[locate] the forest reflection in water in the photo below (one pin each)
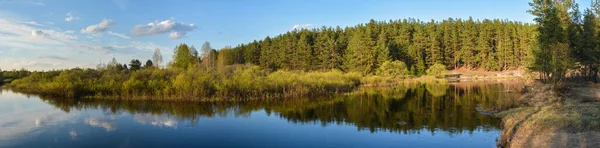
(406, 108)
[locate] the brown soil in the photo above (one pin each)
(547, 118)
(466, 74)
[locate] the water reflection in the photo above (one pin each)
(156, 120)
(101, 122)
(407, 109)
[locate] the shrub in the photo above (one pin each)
(394, 68)
(437, 70)
(192, 84)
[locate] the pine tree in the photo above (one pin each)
(359, 56)
(434, 53)
(382, 49)
(417, 49)
(552, 55)
(301, 57)
(468, 36)
(324, 47)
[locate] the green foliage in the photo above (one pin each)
(494, 45)
(360, 54)
(9, 76)
(192, 84)
(394, 68)
(183, 57)
(552, 57)
(437, 70)
(135, 64)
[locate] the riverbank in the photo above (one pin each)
(193, 84)
(239, 82)
(545, 118)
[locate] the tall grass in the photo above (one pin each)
(194, 84)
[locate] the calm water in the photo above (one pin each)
(416, 115)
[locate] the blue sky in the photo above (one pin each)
(56, 34)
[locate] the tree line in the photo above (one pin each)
(568, 42)
(492, 45)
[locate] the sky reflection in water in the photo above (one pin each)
(416, 115)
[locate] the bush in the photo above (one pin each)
(437, 70)
(192, 84)
(395, 68)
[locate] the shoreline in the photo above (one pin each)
(545, 118)
(335, 88)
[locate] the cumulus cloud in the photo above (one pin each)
(119, 35)
(70, 17)
(176, 29)
(19, 40)
(98, 28)
(37, 33)
(300, 26)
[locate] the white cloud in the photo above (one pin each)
(300, 26)
(98, 28)
(176, 29)
(119, 35)
(70, 17)
(150, 46)
(26, 46)
(37, 33)
(176, 35)
(102, 49)
(33, 23)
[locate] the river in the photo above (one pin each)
(408, 115)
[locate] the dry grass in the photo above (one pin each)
(569, 118)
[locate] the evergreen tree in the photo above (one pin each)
(135, 64)
(359, 56)
(469, 36)
(552, 55)
(149, 64)
(325, 50)
(381, 47)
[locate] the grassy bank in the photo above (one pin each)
(566, 118)
(193, 84)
